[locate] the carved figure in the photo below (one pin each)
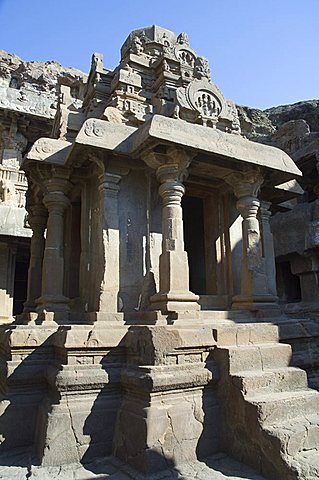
(7, 192)
(201, 69)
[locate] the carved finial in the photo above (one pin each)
(183, 39)
(201, 69)
(97, 61)
(137, 45)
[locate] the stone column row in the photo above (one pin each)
(257, 272)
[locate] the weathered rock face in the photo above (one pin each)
(32, 87)
(255, 124)
(307, 110)
(288, 127)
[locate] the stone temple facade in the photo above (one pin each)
(150, 335)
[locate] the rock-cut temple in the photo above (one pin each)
(151, 328)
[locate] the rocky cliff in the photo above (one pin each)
(289, 127)
(32, 87)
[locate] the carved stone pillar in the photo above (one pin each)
(268, 246)
(37, 219)
(110, 262)
(254, 292)
(174, 294)
(56, 201)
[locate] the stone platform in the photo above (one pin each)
(216, 467)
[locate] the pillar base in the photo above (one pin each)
(175, 302)
(53, 303)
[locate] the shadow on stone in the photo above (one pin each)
(26, 367)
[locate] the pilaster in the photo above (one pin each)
(106, 285)
(108, 194)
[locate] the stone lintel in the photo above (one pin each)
(160, 130)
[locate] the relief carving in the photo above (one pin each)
(203, 99)
(207, 104)
(43, 146)
(8, 194)
(93, 129)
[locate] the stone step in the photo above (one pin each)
(246, 334)
(279, 407)
(257, 357)
(216, 467)
(297, 435)
(276, 380)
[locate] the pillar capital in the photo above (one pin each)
(56, 202)
(248, 206)
(170, 165)
(265, 207)
(37, 218)
(264, 210)
(57, 184)
(109, 184)
(246, 183)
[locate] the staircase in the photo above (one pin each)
(270, 416)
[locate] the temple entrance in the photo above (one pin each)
(194, 239)
(207, 248)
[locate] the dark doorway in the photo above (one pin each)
(21, 277)
(193, 215)
(288, 284)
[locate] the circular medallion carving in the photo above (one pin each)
(207, 104)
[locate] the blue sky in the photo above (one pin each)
(261, 52)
